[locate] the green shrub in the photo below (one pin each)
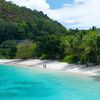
(2, 57)
(70, 59)
(84, 59)
(43, 56)
(26, 50)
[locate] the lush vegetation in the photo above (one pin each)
(31, 34)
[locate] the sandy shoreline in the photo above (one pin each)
(55, 65)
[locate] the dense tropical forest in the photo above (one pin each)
(28, 34)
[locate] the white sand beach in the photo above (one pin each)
(55, 65)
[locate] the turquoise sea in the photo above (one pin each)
(19, 83)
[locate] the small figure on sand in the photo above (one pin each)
(44, 66)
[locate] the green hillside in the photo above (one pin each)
(21, 23)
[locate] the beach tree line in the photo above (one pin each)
(81, 48)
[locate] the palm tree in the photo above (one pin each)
(90, 47)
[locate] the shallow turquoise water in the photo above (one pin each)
(17, 83)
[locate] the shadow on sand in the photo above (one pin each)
(96, 77)
(36, 64)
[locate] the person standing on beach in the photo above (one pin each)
(44, 66)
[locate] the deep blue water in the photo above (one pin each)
(18, 83)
